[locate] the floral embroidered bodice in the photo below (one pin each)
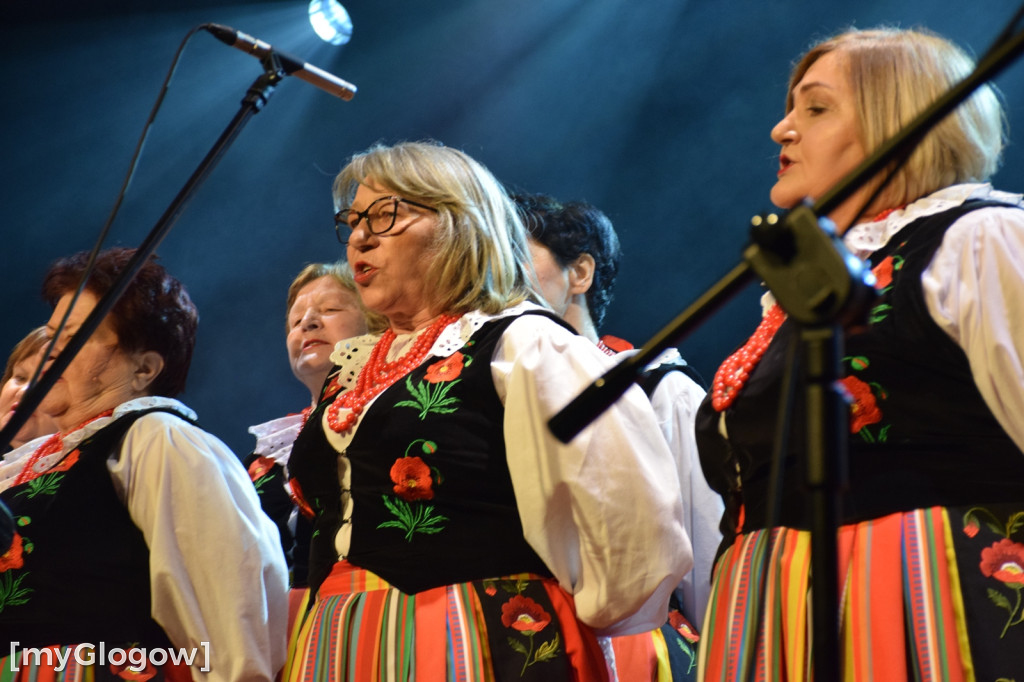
(57, 550)
(913, 401)
(429, 478)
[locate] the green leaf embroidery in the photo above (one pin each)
(517, 646)
(11, 591)
(430, 397)
(413, 519)
(547, 650)
(879, 313)
(1015, 522)
(46, 484)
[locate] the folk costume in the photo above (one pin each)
(454, 537)
(931, 546)
(138, 530)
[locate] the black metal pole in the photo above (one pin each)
(825, 477)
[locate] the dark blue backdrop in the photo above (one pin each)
(658, 111)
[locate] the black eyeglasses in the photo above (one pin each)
(380, 217)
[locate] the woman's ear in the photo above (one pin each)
(148, 365)
(581, 274)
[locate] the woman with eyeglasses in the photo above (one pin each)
(454, 537)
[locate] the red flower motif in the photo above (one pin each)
(864, 410)
(332, 388)
(299, 500)
(1004, 561)
(126, 671)
(883, 273)
(445, 370)
(412, 479)
(259, 467)
(971, 527)
(67, 462)
(524, 614)
(491, 590)
(12, 558)
(682, 626)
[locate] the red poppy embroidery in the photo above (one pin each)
(299, 500)
(682, 626)
(445, 370)
(1004, 561)
(13, 557)
(66, 463)
(411, 476)
(259, 467)
(864, 411)
(491, 589)
(128, 671)
(883, 273)
(524, 614)
(332, 388)
(971, 527)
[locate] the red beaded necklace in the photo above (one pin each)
(734, 372)
(51, 445)
(378, 374)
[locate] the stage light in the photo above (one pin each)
(330, 20)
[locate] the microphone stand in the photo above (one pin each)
(255, 99)
(823, 288)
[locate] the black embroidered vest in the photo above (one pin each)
(84, 573)
(921, 433)
(432, 495)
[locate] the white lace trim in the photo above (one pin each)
(863, 239)
(275, 438)
(351, 354)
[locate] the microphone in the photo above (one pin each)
(292, 66)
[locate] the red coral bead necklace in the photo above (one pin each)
(50, 446)
(378, 374)
(734, 372)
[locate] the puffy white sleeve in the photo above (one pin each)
(604, 511)
(675, 401)
(217, 573)
(974, 290)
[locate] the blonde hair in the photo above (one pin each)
(480, 247)
(342, 274)
(26, 348)
(896, 75)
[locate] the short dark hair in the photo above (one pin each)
(569, 230)
(155, 312)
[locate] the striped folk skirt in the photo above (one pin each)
(930, 595)
(522, 627)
